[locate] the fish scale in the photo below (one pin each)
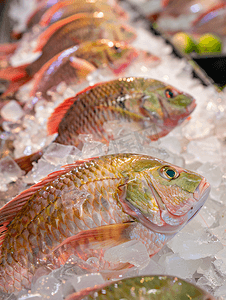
(26, 227)
(86, 28)
(37, 234)
(95, 107)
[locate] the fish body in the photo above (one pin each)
(104, 201)
(179, 7)
(75, 30)
(145, 288)
(101, 53)
(143, 103)
(64, 9)
(137, 103)
(65, 34)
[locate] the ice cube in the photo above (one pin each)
(221, 292)
(176, 266)
(193, 246)
(218, 193)
(171, 144)
(133, 252)
(212, 173)
(205, 150)
(12, 111)
(93, 149)
(48, 287)
(9, 171)
(87, 280)
(152, 268)
(58, 154)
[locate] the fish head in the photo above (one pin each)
(161, 196)
(119, 55)
(166, 106)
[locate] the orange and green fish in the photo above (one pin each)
(100, 53)
(64, 9)
(64, 34)
(95, 204)
(145, 288)
(140, 103)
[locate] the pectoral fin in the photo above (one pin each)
(102, 237)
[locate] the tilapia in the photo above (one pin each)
(64, 9)
(138, 103)
(102, 202)
(179, 7)
(145, 288)
(64, 34)
(101, 53)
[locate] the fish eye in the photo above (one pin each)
(117, 48)
(170, 93)
(169, 173)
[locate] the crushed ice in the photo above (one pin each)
(197, 253)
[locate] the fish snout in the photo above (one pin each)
(200, 194)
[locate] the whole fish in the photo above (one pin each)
(213, 20)
(43, 11)
(145, 288)
(64, 9)
(66, 67)
(102, 201)
(179, 15)
(64, 34)
(139, 103)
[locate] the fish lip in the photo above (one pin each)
(192, 106)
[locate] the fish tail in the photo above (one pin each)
(25, 162)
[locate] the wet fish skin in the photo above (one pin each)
(86, 27)
(146, 287)
(99, 196)
(142, 102)
(66, 8)
(101, 53)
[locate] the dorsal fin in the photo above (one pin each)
(47, 16)
(44, 37)
(58, 114)
(60, 111)
(11, 209)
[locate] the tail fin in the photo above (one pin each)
(25, 162)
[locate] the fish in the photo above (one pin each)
(179, 15)
(64, 34)
(64, 9)
(152, 287)
(139, 103)
(212, 20)
(178, 7)
(100, 53)
(99, 202)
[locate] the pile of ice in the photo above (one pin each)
(197, 253)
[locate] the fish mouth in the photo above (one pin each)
(201, 194)
(192, 106)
